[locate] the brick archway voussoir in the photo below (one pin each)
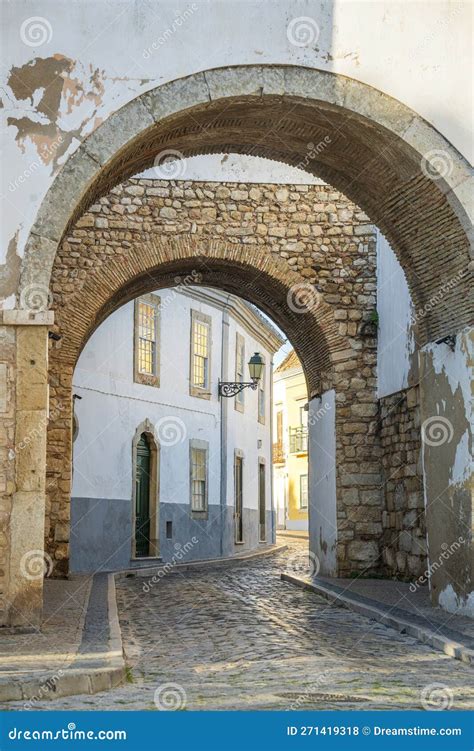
(251, 272)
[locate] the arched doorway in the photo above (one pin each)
(376, 150)
(142, 497)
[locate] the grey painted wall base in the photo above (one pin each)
(101, 534)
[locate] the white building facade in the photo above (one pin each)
(162, 464)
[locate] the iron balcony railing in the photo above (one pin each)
(299, 440)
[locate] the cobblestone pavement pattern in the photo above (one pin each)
(239, 638)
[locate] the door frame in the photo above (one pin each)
(154, 490)
(262, 463)
(238, 454)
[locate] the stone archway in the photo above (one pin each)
(413, 184)
(397, 167)
(158, 263)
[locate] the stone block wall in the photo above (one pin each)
(7, 454)
(404, 547)
(318, 234)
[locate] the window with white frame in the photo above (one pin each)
(199, 476)
(200, 354)
(146, 340)
(239, 369)
(303, 492)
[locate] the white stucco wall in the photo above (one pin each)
(322, 481)
(113, 406)
(396, 340)
(244, 431)
(417, 52)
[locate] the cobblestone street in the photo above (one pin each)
(239, 638)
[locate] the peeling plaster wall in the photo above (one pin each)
(446, 413)
(63, 77)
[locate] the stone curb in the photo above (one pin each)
(193, 565)
(84, 675)
(375, 611)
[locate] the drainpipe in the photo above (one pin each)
(224, 406)
(272, 499)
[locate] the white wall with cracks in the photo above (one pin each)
(67, 67)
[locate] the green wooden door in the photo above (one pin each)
(142, 496)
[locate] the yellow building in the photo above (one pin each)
(290, 445)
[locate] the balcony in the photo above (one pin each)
(299, 440)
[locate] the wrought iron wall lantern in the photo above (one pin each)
(232, 388)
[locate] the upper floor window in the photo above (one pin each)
(199, 476)
(303, 491)
(240, 369)
(146, 344)
(200, 354)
